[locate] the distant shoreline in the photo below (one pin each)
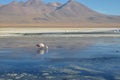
(52, 30)
(60, 32)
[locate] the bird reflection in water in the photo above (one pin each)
(42, 51)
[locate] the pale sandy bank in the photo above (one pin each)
(20, 31)
(50, 30)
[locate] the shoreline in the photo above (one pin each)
(59, 32)
(80, 35)
(51, 30)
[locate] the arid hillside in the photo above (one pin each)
(36, 13)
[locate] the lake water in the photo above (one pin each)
(100, 60)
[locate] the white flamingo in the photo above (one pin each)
(42, 46)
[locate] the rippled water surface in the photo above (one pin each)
(100, 60)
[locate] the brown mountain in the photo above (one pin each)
(0, 5)
(71, 13)
(54, 5)
(35, 7)
(77, 12)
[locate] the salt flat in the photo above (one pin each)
(21, 31)
(46, 30)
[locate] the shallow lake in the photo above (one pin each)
(99, 60)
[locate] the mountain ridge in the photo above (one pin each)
(38, 12)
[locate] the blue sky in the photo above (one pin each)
(104, 6)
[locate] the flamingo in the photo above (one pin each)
(42, 46)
